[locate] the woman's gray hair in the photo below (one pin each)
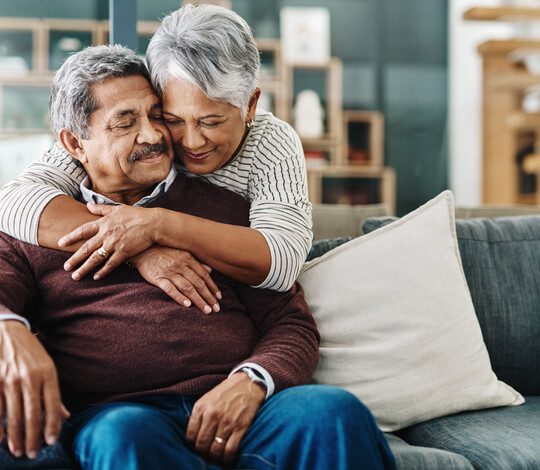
(71, 100)
(211, 47)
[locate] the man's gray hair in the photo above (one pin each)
(71, 100)
(211, 47)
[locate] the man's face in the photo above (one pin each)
(129, 147)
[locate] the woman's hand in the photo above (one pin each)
(122, 232)
(180, 276)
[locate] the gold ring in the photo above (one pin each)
(103, 253)
(219, 440)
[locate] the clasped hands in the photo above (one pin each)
(127, 233)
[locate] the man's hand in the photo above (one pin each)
(123, 232)
(180, 276)
(28, 388)
(225, 412)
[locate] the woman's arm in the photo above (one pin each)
(280, 208)
(29, 202)
(239, 252)
(53, 223)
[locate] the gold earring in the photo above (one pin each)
(249, 124)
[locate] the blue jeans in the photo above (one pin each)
(308, 427)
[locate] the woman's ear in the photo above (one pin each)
(72, 143)
(252, 105)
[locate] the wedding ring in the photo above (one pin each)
(103, 253)
(219, 440)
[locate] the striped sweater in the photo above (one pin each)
(269, 172)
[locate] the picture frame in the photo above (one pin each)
(305, 35)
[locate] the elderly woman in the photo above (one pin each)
(204, 64)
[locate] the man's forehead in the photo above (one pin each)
(124, 94)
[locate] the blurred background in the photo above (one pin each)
(395, 100)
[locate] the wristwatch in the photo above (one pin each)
(254, 376)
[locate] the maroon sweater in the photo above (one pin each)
(122, 337)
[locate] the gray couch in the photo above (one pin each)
(501, 260)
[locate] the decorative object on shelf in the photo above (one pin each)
(316, 159)
(308, 115)
(305, 35)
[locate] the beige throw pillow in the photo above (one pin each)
(397, 323)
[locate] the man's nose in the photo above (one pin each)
(192, 139)
(149, 133)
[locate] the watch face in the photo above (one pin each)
(253, 376)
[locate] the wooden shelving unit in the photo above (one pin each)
(332, 139)
(275, 82)
(40, 73)
(374, 182)
(507, 128)
(333, 177)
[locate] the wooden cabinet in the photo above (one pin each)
(507, 128)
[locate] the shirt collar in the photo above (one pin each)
(90, 196)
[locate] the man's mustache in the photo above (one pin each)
(161, 147)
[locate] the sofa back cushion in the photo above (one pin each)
(339, 220)
(501, 260)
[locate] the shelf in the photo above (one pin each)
(502, 14)
(363, 133)
(508, 46)
(323, 143)
(512, 81)
(352, 185)
(522, 121)
(333, 138)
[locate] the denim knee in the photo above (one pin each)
(113, 431)
(328, 402)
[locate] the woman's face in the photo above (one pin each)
(206, 134)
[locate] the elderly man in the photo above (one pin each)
(151, 383)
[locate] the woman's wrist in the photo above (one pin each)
(166, 227)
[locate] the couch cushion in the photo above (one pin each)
(489, 439)
(394, 311)
(501, 260)
(410, 457)
(338, 220)
(320, 247)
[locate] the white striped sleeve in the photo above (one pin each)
(280, 208)
(23, 199)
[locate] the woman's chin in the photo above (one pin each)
(200, 167)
